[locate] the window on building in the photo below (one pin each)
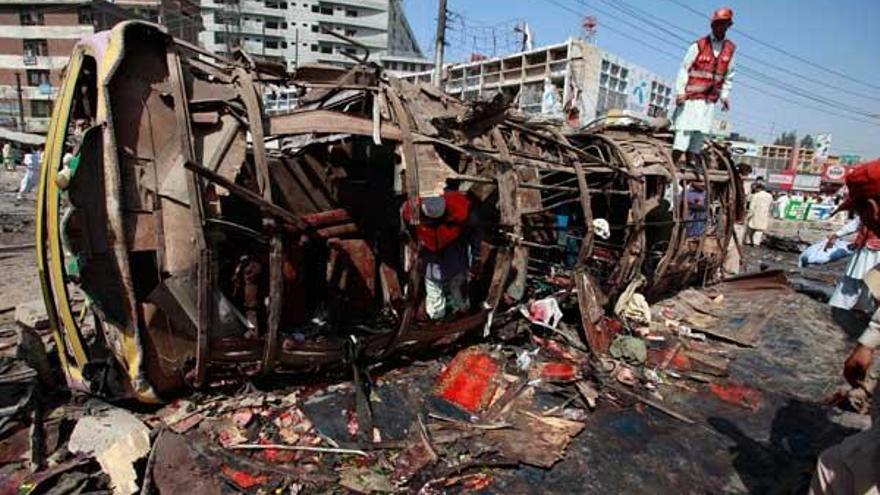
(351, 32)
(315, 28)
(315, 9)
(314, 48)
(326, 49)
(35, 48)
(84, 15)
(37, 77)
(351, 13)
(275, 4)
(226, 18)
(41, 109)
(327, 10)
(31, 17)
(272, 44)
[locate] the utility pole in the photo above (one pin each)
(20, 102)
(296, 48)
(441, 41)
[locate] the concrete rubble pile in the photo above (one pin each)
(217, 246)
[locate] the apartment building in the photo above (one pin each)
(36, 39)
(584, 78)
(294, 32)
(182, 18)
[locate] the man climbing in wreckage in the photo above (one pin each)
(853, 466)
(449, 236)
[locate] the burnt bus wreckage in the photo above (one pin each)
(188, 236)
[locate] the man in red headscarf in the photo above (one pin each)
(705, 77)
(853, 466)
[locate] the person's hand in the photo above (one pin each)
(679, 100)
(830, 242)
(725, 104)
(855, 368)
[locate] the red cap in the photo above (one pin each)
(723, 14)
(862, 182)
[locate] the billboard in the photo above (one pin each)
(781, 180)
(742, 148)
(850, 159)
(834, 172)
(823, 147)
(807, 182)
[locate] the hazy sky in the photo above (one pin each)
(772, 92)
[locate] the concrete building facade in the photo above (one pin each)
(588, 82)
(293, 31)
(36, 39)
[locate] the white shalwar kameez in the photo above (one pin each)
(851, 292)
(692, 120)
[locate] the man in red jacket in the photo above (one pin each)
(449, 240)
(705, 77)
(853, 466)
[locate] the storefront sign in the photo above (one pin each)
(781, 181)
(834, 173)
(741, 148)
(807, 182)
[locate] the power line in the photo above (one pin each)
(782, 50)
(747, 73)
(621, 5)
(672, 56)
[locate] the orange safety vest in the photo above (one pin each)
(706, 75)
(436, 236)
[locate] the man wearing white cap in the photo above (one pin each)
(450, 240)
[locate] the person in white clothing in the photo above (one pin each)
(758, 219)
(31, 172)
(705, 77)
(851, 293)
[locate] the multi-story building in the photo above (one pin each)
(295, 32)
(36, 39)
(584, 78)
(774, 158)
(181, 18)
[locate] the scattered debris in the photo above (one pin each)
(32, 314)
(116, 439)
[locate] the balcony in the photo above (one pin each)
(29, 59)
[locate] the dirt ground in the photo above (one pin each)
(18, 269)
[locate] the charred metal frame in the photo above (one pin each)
(191, 162)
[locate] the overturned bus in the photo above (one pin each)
(188, 236)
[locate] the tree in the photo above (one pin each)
(786, 139)
(808, 142)
(735, 136)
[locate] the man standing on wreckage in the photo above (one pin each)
(705, 77)
(853, 466)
